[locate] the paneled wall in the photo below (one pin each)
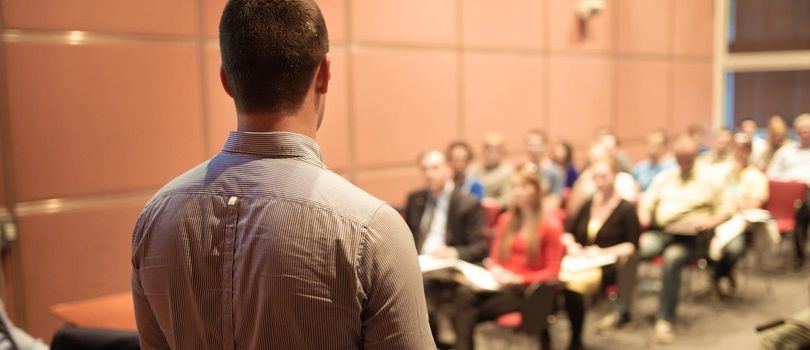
(103, 102)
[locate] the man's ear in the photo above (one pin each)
(224, 79)
(323, 75)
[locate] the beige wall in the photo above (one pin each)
(94, 124)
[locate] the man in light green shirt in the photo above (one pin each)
(681, 205)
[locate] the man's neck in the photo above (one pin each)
(298, 123)
(437, 193)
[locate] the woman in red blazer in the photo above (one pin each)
(526, 250)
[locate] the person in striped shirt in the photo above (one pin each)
(262, 246)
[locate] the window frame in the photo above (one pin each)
(726, 63)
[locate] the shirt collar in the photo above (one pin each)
(276, 144)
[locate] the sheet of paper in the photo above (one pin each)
(584, 262)
(429, 264)
(479, 277)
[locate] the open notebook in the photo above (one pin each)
(481, 279)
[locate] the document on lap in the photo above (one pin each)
(430, 264)
(478, 277)
(475, 276)
(575, 263)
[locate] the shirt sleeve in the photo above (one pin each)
(472, 226)
(649, 197)
(395, 312)
(552, 252)
(759, 187)
(632, 227)
(775, 168)
(150, 334)
(556, 181)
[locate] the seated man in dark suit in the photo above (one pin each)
(446, 222)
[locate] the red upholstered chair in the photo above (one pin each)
(537, 312)
(491, 214)
(510, 320)
(785, 197)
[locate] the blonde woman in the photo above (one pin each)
(526, 251)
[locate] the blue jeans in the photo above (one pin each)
(732, 252)
(676, 251)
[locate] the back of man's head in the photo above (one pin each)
(270, 52)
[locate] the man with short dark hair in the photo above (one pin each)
(460, 155)
(493, 172)
(262, 247)
(658, 159)
(551, 175)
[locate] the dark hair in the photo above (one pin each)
(568, 152)
(460, 144)
(527, 172)
(270, 51)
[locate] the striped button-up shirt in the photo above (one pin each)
(262, 247)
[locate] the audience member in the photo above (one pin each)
(460, 155)
(526, 251)
(610, 142)
(446, 222)
(719, 157)
(658, 159)
(262, 246)
(606, 224)
(585, 186)
(747, 189)
(777, 139)
(494, 173)
(792, 163)
(680, 207)
(552, 175)
(562, 155)
(758, 144)
(698, 134)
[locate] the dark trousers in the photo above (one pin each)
(438, 292)
(472, 308)
(623, 274)
(800, 231)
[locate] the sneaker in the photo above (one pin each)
(663, 332)
(612, 321)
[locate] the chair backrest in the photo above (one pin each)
(491, 213)
(783, 198)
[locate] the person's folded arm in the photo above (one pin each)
(472, 225)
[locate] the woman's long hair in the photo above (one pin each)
(528, 172)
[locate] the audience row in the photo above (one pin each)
(685, 202)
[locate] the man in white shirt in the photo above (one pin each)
(446, 222)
